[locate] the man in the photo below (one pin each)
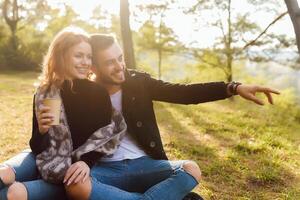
(140, 169)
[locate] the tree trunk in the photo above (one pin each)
(160, 48)
(294, 12)
(229, 50)
(159, 63)
(12, 20)
(126, 34)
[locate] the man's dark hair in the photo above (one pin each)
(100, 42)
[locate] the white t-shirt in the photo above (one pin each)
(128, 148)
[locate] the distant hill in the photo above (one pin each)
(279, 76)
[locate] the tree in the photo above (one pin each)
(59, 20)
(126, 34)
(155, 35)
(294, 12)
(10, 12)
(160, 39)
(21, 17)
(234, 27)
(99, 20)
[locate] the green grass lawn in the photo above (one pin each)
(245, 151)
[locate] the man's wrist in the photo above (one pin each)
(232, 88)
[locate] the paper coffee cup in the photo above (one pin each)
(54, 105)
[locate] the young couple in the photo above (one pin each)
(107, 145)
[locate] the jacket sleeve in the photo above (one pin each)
(185, 93)
(91, 158)
(38, 142)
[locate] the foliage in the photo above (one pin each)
(235, 28)
(19, 16)
(154, 34)
(35, 30)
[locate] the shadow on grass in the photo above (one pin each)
(243, 171)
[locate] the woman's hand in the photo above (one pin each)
(44, 119)
(78, 171)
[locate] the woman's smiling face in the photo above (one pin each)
(81, 59)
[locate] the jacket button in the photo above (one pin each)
(152, 144)
(139, 124)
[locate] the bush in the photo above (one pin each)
(17, 59)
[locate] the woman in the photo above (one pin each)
(85, 109)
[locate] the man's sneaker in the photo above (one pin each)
(192, 196)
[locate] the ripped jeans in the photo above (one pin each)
(138, 179)
(26, 172)
(141, 179)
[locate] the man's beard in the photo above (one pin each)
(109, 81)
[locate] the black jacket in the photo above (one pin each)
(88, 108)
(140, 90)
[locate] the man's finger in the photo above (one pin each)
(265, 89)
(256, 100)
(270, 99)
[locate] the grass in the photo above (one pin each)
(244, 151)
(16, 92)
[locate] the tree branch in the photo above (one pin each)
(212, 64)
(265, 30)
(222, 28)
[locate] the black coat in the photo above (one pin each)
(88, 108)
(140, 90)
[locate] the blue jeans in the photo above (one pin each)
(26, 172)
(143, 178)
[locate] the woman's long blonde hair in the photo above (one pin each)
(56, 64)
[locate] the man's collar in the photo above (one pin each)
(129, 74)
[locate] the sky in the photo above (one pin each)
(181, 23)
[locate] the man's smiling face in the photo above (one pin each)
(110, 69)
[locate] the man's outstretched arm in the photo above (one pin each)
(204, 92)
(159, 90)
